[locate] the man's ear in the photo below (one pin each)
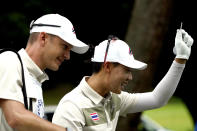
(107, 66)
(43, 38)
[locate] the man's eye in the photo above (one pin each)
(65, 47)
(128, 70)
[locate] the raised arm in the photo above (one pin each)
(167, 86)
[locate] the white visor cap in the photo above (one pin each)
(119, 52)
(60, 26)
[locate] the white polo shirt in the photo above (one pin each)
(83, 109)
(11, 83)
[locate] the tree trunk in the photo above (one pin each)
(146, 31)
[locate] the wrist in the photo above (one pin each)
(180, 61)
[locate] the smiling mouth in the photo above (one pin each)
(59, 61)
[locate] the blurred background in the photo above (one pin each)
(149, 27)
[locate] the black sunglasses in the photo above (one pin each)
(32, 25)
(110, 37)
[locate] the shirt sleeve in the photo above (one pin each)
(10, 77)
(159, 96)
(68, 115)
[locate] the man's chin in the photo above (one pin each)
(117, 92)
(55, 68)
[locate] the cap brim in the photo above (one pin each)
(78, 46)
(135, 64)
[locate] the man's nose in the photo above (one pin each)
(130, 77)
(67, 54)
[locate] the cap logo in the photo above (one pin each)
(130, 52)
(73, 30)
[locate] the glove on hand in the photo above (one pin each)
(183, 43)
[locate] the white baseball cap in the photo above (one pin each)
(119, 52)
(60, 26)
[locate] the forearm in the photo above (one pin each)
(21, 119)
(32, 122)
(167, 86)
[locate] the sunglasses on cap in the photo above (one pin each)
(33, 24)
(110, 38)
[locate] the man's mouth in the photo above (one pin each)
(60, 61)
(123, 85)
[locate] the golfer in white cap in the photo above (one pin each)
(97, 102)
(52, 36)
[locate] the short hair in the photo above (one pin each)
(96, 66)
(33, 37)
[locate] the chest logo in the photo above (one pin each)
(94, 116)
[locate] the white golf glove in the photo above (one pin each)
(183, 43)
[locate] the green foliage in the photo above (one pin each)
(52, 96)
(174, 116)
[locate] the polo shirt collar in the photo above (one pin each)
(32, 67)
(91, 93)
